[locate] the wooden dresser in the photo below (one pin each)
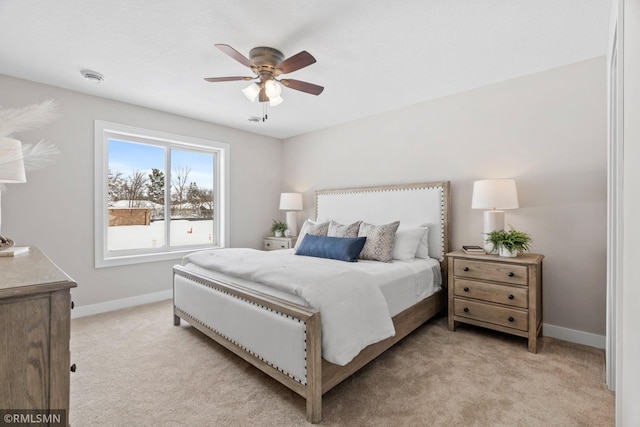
(35, 322)
(495, 292)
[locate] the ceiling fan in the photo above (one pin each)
(267, 64)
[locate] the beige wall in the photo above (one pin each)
(547, 130)
(34, 213)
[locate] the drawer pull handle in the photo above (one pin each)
(73, 368)
(466, 289)
(511, 274)
(511, 319)
(511, 297)
(466, 309)
(73, 305)
(466, 269)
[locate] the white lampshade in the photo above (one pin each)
(272, 89)
(275, 101)
(251, 92)
(291, 201)
(11, 161)
(494, 194)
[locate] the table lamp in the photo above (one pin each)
(291, 202)
(496, 195)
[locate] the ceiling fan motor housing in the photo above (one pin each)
(266, 60)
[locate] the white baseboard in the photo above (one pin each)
(103, 307)
(573, 335)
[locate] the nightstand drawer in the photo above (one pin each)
(511, 318)
(494, 271)
(502, 294)
(271, 244)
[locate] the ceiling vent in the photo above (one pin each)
(92, 76)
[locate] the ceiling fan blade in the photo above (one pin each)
(262, 96)
(227, 79)
(302, 86)
(297, 61)
(235, 55)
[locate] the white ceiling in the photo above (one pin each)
(373, 55)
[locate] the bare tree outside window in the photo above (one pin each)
(179, 184)
(135, 187)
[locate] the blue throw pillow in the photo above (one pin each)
(340, 248)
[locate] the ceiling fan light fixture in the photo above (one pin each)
(251, 92)
(276, 101)
(272, 89)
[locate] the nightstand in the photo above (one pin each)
(500, 293)
(271, 243)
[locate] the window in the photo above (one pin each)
(157, 195)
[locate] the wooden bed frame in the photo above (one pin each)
(320, 375)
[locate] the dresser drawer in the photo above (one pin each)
(494, 271)
(509, 317)
(502, 294)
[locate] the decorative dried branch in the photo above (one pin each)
(37, 156)
(26, 118)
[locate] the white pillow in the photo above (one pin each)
(407, 243)
(423, 247)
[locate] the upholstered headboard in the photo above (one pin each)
(411, 204)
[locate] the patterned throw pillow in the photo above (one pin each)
(380, 240)
(313, 228)
(339, 230)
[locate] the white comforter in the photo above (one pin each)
(353, 310)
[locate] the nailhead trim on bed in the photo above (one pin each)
(426, 187)
(301, 381)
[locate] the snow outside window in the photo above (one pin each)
(157, 195)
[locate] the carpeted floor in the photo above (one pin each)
(134, 368)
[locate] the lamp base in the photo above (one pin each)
(493, 220)
(292, 223)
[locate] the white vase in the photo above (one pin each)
(507, 253)
(278, 233)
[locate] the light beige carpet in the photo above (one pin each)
(134, 368)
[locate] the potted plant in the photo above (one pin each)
(509, 243)
(278, 228)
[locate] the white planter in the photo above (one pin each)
(506, 253)
(278, 233)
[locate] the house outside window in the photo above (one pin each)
(157, 195)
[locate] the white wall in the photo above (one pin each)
(54, 209)
(547, 130)
(628, 338)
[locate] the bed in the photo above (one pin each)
(286, 328)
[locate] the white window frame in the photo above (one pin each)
(102, 132)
